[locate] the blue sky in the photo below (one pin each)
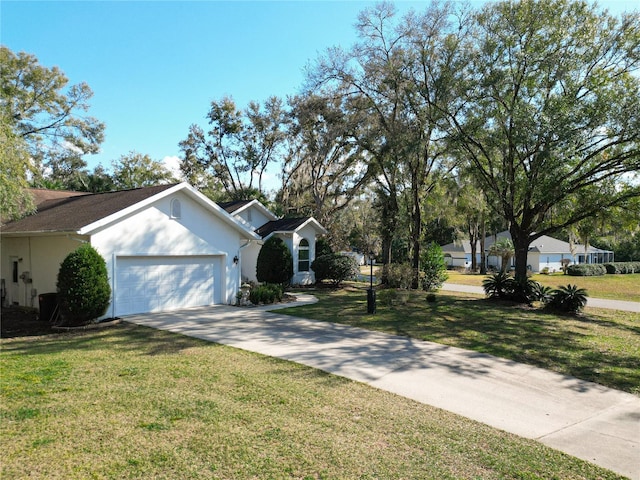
(154, 67)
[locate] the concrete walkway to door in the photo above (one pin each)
(581, 418)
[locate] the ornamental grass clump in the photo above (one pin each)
(83, 286)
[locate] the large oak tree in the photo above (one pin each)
(549, 115)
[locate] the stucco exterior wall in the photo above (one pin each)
(254, 217)
(152, 231)
(249, 256)
(41, 256)
(309, 233)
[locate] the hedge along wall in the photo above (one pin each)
(623, 267)
(586, 270)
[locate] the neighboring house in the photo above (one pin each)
(544, 252)
(299, 234)
(166, 247)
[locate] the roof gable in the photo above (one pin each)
(85, 214)
(288, 225)
(238, 206)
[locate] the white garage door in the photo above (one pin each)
(156, 284)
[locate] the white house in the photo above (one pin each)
(544, 252)
(299, 234)
(166, 247)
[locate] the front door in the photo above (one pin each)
(13, 289)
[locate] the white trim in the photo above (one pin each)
(182, 187)
(259, 206)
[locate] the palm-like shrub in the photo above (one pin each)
(541, 293)
(275, 262)
(83, 286)
(569, 299)
(499, 285)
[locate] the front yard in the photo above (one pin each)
(131, 402)
(599, 345)
(615, 287)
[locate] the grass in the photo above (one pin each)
(130, 402)
(615, 287)
(600, 345)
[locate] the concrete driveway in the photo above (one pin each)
(581, 418)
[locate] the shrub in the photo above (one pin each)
(498, 285)
(83, 286)
(586, 270)
(541, 293)
(392, 296)
(267, 294)
(569, 299)
(334, 267)
(622, 267)
(434, 268)
(323, 247)
(398, 275)
(275, 262)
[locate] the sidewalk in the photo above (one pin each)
(591, 302)
(583, 419)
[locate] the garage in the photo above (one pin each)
(163, 283)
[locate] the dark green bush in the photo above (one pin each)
(622, 267)
(569, 299)
(334, 267)
(83, 286)
(275, 262)
(267, 294)
(586, 270)
(433, 268)
(323, 247)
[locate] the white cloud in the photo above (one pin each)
(172, 163)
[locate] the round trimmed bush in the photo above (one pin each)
(334, 267)
(83, 286)
(275, 262)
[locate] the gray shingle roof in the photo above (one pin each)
(282, 225)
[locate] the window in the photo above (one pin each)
(176, 208)
(303, 255)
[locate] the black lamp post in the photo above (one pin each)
(371, 293)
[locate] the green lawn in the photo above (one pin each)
(129, 402)
(600, 345)
(617, 287)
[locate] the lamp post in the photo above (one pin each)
(371, 293)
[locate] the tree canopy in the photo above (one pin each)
(549, 113)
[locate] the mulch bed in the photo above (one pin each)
(22, 322)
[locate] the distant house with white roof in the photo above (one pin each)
(544, 252)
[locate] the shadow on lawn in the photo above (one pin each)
(567, 345)
(24, 333)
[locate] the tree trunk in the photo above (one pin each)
(521, 246)
(473, 239)
(415, 236)
(483, 254)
